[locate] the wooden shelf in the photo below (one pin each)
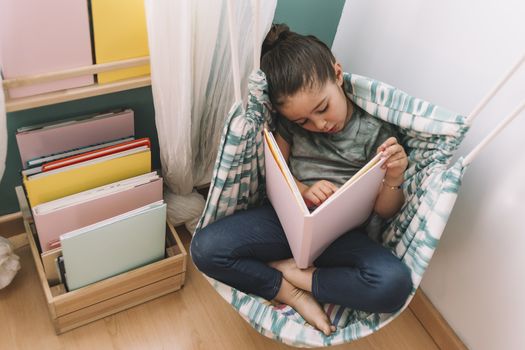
(69, 310)
(18, 104)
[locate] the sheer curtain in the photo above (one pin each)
(192, 88)
(9, 263)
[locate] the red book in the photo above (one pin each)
(96, 154)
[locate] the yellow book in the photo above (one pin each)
(65, 181)
(119, 30)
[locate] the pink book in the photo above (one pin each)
(310, 233)
(85, 208)
(41, 37)
(42, 140)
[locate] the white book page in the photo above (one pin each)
(373, 164)
(32, 171)
(363, 170)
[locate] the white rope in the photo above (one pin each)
(496, 88)
(234, 53)
(470, 157)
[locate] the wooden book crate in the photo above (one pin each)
(72, 309)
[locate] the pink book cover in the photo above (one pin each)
(54, 223)
(309, 234)
(41, 37)
(61, 137)
(290, 212)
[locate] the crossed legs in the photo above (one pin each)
(249, 251)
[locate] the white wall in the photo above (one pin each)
(451, 53)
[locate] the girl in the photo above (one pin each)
(326, 139)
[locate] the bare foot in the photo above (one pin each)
(301, 278)
(304, 303)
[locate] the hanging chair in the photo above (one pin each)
(430, 135)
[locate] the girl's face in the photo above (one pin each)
(322, 109)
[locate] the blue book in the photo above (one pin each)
(113, 246)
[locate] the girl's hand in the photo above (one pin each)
(396, 162)
(317, 193)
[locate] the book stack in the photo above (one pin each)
(96, 203)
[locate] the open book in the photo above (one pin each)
(310, 233)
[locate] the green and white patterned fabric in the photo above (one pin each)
(238, 177)
(430, 135)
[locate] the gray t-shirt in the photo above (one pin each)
(334, 157)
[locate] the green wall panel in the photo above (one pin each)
(317, 17)
(140, 100)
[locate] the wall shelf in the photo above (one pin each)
(18, 104)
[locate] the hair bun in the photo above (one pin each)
(277, 34)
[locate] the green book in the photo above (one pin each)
(113, 246)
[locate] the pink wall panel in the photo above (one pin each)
(39, 36)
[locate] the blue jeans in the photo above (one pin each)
(354, 271)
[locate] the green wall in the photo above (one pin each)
(315, 17)
(140, 100)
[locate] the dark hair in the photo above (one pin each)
(293, 62)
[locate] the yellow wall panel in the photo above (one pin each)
(119, 28)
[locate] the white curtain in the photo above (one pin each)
(192, 88)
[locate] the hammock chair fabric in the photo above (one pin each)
(430, 135)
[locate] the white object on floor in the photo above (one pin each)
(9, 263)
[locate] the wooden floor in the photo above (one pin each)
(192, 318)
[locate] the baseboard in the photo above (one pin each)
(435, 325)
